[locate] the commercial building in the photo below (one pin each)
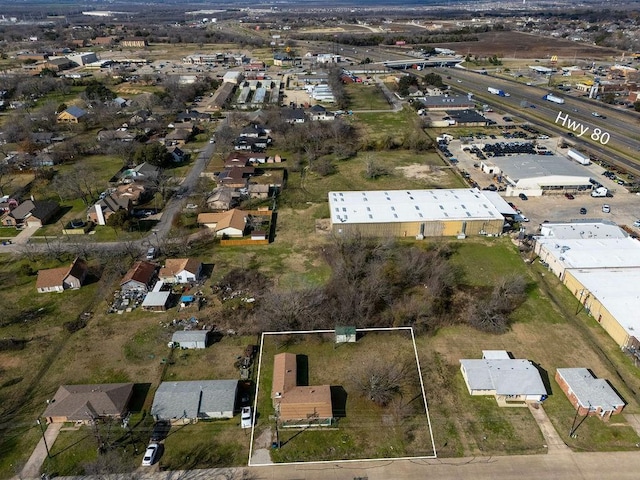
(415, 213)
(537, 175)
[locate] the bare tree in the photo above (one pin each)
(380, 380)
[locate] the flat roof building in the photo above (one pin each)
(537, 175)
(582, 229)
(419, 213)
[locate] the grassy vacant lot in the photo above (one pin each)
(366, 97)
(364, 429)
(406, 169)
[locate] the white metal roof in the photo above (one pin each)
(156, 299)
(590, 391)
(593, 253)
(586, 229)
(386, 206)
(617, 290)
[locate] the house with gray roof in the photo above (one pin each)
(588, 394)
(186, 402)
(513, 382)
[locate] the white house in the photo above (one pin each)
(513, 382)
(180, 270)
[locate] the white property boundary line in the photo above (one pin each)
(300, 332)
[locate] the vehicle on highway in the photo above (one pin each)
(606, 208)
(245, 417)
(150, 455)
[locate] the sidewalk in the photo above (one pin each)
(32, 467)
(555, 444)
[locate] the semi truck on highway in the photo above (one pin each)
(497, 91)
(552, 98)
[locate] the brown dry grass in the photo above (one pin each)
(524, 45)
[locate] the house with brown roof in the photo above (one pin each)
(86, 403)
(63, 278)
(237, 177)
(30, 214)
(180, 270)
(139, 277)
(232, 223)
(298, 405)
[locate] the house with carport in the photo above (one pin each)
(513, 382)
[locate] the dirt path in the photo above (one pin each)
(261, 446)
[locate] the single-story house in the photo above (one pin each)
(257, 190)
(321, 114)
(513, 382)
(177, 154)
(139, 276)
(63, 278)
(131, 191)
(293, 115)
(235, 177)
(100, 212)
(180, 270)
(72, 114)
(232, 223)
(85, 403)
(193, 400)
(143, 172)
(298, 405)
(190, 338)
(221, 199)
(588, 394)
(30, 214)
(156, 301)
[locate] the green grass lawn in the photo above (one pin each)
(366, 97)
(363, 429)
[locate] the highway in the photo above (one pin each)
(622, 126)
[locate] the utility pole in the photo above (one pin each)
(44, 439)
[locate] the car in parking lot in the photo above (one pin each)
(606, 208)
(636, 224)
(569, 196)
(583, 211)
(150, 455)
(523, 197)
(245, 417)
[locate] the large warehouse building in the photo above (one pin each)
(536, 175)
(416, 213)
(600, 265)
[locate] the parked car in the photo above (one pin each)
(523, 197)
(606, 208)
(151, 253)
(569, 196)
(583, 211)
(636, 223)
(245, 417)
(160, 430)
(150, 455)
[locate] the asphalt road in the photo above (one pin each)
(622, 125)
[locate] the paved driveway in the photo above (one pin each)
(32, 467)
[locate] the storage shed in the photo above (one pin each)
(191, 339)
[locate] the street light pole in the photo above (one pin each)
(44, 439)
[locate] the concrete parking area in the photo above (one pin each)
(624, 206)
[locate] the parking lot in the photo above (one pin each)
(624, 206)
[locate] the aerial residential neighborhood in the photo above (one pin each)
(319, 240)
